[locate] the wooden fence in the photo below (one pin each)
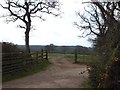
(13, 62)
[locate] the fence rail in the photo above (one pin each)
(12, 62)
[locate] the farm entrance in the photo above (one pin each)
(62, 73)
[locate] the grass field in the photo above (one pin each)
(82, 59)
(56, 55)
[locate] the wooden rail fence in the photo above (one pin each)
(13, 62)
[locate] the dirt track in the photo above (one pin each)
(60, 74)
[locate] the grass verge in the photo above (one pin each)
(82, 59)
(36, 68)
(87, 84)
(56, 55)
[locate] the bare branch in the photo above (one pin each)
(45, 8)
(36, 16)
(20, 26)
(89, 25)
(3, 6)
(35, 7)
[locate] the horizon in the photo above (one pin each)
(58, 45)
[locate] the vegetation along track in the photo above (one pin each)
(61, 73)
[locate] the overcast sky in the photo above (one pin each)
(55, 30)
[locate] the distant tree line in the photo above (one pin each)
(61, 49)
(8, 47)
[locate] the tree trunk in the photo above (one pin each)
(27, 41)
(28, 25)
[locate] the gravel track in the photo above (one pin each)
(61, 73)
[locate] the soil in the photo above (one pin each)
(61, 73)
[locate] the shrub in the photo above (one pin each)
(9, 48)
(14, 56)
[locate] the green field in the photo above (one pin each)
(82, 59)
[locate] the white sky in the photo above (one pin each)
(55, 30)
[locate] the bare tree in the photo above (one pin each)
(103, 20)
(25, 10)
(91, 22)
(110, 13)
(98, 17)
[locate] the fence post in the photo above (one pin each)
(46, 55)
(37, 57)
(75, 55)
(42, 54)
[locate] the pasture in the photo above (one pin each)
(82, 59)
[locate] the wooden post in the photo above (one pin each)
(75, 55)
(46, 55)
(37, 57)
(42, 54)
